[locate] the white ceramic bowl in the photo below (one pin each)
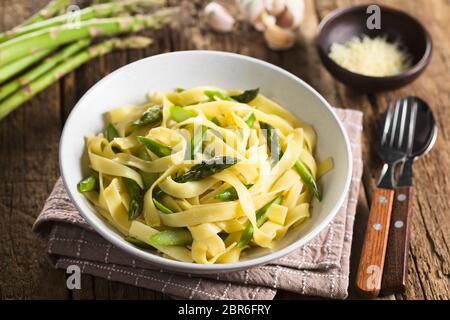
(129, 85)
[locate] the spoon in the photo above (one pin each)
(424, 136)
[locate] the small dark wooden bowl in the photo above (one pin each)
(343, 24)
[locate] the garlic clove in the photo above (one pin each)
(256, 10)
(293, 15)
(275, 7)
(285, 19)
(218, 17)
(252, 11)
(278, 38)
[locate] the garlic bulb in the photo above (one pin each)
(288, 13)
(218, 17)
(276, 18)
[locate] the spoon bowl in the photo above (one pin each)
(425, 129)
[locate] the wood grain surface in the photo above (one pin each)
(371, 262)
(29, 147)
(396, 262)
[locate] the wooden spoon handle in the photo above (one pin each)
(395, 266)
(370, 269)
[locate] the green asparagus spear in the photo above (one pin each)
(157, 148)
(215, 121)
(261, 217)
(273, 142)
(47, 38)
(197, 140)
(111, 132)
(147, 177)
(15, 67)
(138, 243)
(175, 237)
(96, 11)
(136, 198)
(246, 96)
(143, 154)
(229, 194)
(151, 116)
(53, 75)
(212, 95)
(250, 119)
(161, 207)
(88, 184)
(50, 62)
(157, 193)
(50, 10)
(308, 179)
(180, 114)
(206, 168)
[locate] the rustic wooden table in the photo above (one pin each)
(29, 147)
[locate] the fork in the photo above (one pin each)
(392, 149)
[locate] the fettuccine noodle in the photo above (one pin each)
(203, 175)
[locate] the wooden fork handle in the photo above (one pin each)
(370, 269)
(395, 266)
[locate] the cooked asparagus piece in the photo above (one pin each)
(157, 148)
(157, 192)
(250, 119)
(229, 194)
(96, 11)
(246, 96)
(16, 66)
(50, 10)
(138, 243)
(111, 132)
(206, 168)
(136, 198)
(53, 75)
(88, 184)
(197, 140)
(151, 116)
(261, 217)
(175, 237)
(212, 95)
(273, 142)
(47, 38)
(215, 121)
(180, 114)
(147, 177)
(308, 179)
(14, 85)
(161, 207)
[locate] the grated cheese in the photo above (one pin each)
(374, 57)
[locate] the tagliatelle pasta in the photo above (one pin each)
(203, 175)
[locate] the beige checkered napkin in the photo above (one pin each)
(319, 268)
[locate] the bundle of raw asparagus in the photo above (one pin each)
(47, 46)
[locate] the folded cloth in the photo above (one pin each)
(319, 268)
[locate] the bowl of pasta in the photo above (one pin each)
(204, 162)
